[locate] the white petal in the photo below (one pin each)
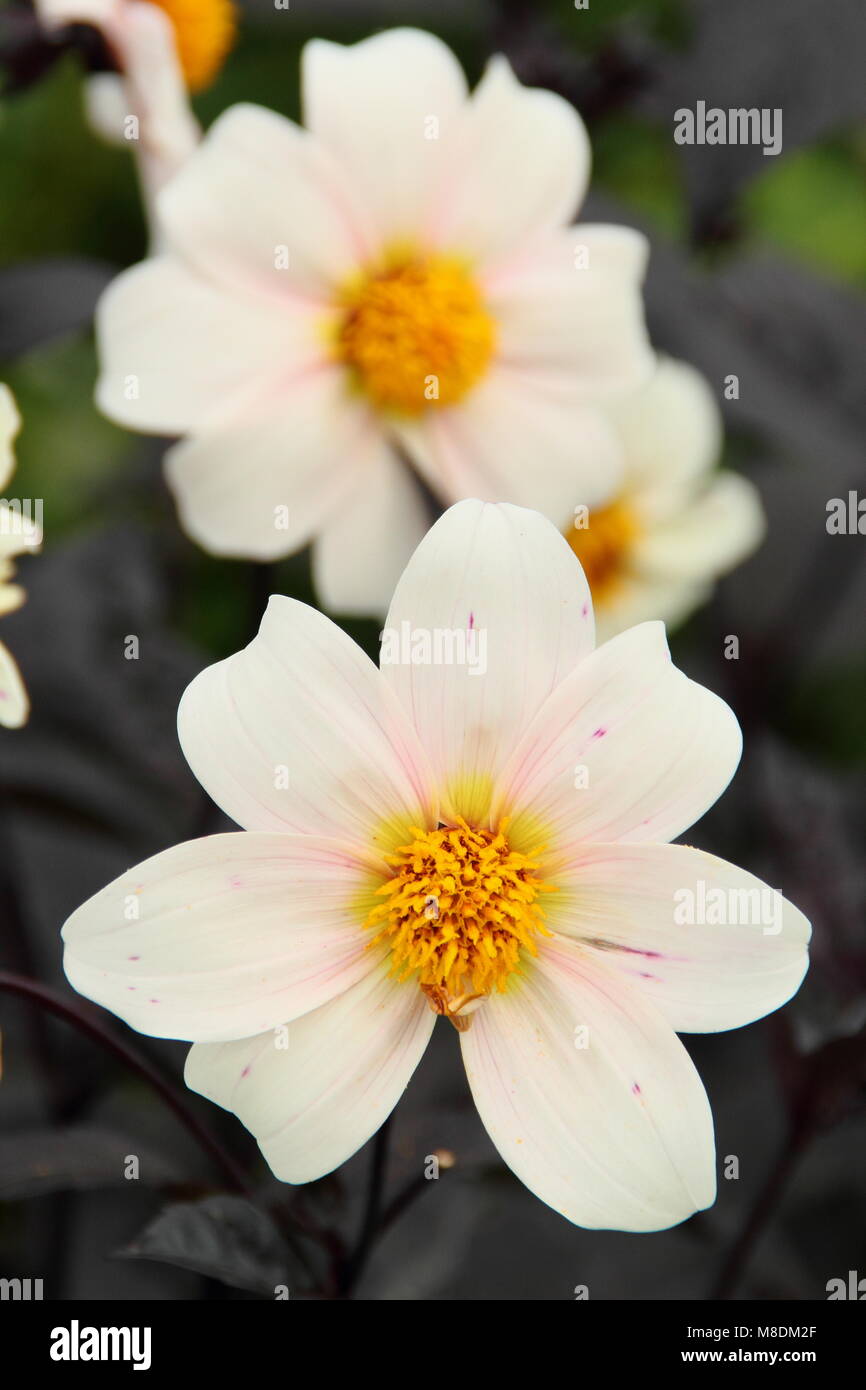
(107, 106)
(10, 424)
(258, 183)
(149, 84)
(14, 704)
(615, 1133)
(519, 438)
(574, 304)
(226, 936)
(373, 105)
(626, 748)
(173, 346)
(12, 596)
(260, 477)
(708, 537)
(366, 544)
(508, 577)
(303, 705)
(312, 1104)
(711, 945)
(671, 432)
(142, 38)
(59, 13)
(515, 164)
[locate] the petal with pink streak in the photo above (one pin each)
(226, 936)
(265, 472)
(515, 165)
(626, 748)
(300, 732)
(314, 1102)
(380, 108)
(590, 1097)
(710, 945)
(501, 592)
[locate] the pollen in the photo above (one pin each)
(603, 546)
(205, 32)
(461, 912)
(415, 333)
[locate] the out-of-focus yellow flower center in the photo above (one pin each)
(603, 545)
(415, 333)
(204, 32)
(458, 911)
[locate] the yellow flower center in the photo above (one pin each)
(459, 910)
(603, 545)
(204, 32)
(416, 333)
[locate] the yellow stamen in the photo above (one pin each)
(415, 333)
(204, 31)
(459, 911)
(602, 546)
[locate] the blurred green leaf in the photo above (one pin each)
(812, 204)
(825, 715)
(638, 164)
(66, 449)
(63, 188)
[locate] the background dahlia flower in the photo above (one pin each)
(483, 841)
(398, 280)
(163, 49)
(674, 525)
(14, 540)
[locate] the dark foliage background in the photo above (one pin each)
(758, 268)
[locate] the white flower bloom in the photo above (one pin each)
(14, 704)
(399, 278)
(674, 526)
(482, 838)
(163, 49)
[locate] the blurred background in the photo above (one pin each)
(758, 268)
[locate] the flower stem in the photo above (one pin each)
(356, 1263)
(93, 1028)
(760, 1213)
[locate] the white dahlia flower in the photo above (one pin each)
(478, 831)
(398, 281)
(675, 523)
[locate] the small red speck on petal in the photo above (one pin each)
(635, 1090)
(245, 1072)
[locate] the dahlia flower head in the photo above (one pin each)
(396, 283)
(478, 832)
(162, 50)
